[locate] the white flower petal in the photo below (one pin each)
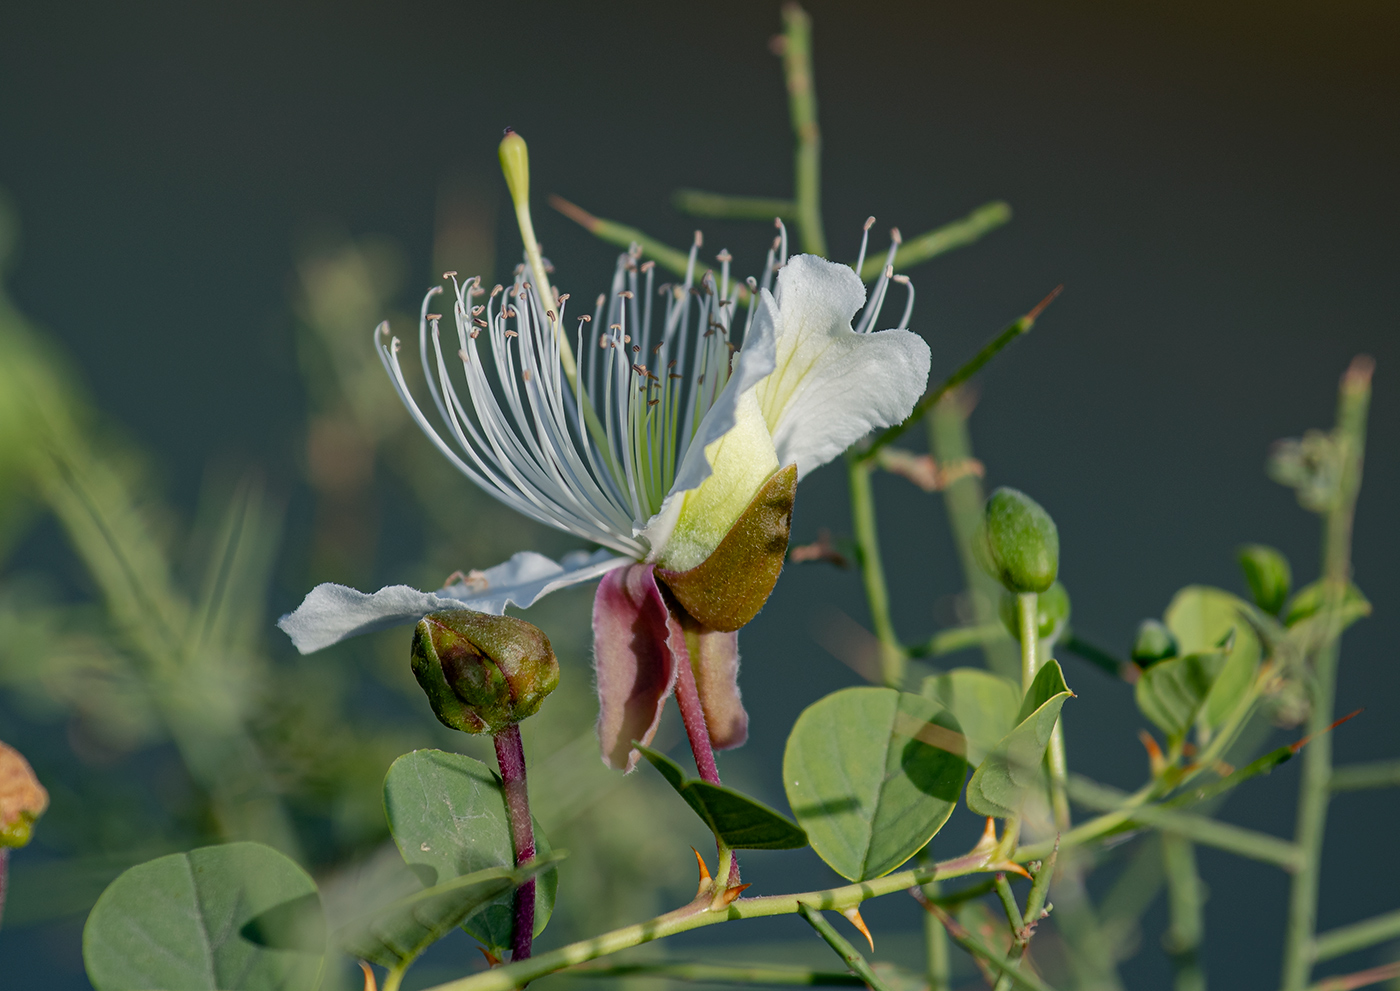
(331, 613)
(831, 386)
(754, 363)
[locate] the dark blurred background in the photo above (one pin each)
(1213, 183)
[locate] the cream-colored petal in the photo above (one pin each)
(831, 386)
(692, 523)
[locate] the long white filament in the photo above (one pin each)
(596, 461)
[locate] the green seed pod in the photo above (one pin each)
(1154, 643)
(1051, 613)
(1268, 574)
(1021, 547)
(482, 673)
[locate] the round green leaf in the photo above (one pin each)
(1014, 765)
(984, 704)
(1202, 620)
(448, 816)
(872, 774)
(238, 917)
(394, 935)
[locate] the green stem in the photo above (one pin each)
(709, 973)
(989, 351)
(1035, 905)
(802, 106)
(394, 977)
(1184, 900)
(697, 915)
(1030, 639)
(956, 639)
(985, 218)
(1198, 829)
(948, 442)
(698, 203)
(1359, 777)
(1315, 787)
(872, 571)
(1356, 936)
(937, 966)
(969, 943)
(858, 964)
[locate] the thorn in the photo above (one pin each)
(1155, 760)
(726, 897)
(988, 842)
(1295, 747)
(577, 214)
(852, 915)
(705, 882)
(1010, 866)
(491, 959)
(1039, 308)
(370, 984)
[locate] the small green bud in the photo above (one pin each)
(22, 798)
(1269, 577)
(1051, 613)
(515, 163)
(482, 673)
(1154, 643)
(1020, 545)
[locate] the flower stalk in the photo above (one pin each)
(510, 755)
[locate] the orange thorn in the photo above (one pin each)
(726, 897)
(705, 882)
(1009, 865)
(1155, 760)
(852, 915)
(1040, 307)
(1295, 747)
(491, 959)
(989, 837)
(370, 984)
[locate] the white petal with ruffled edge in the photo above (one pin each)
(331, 613)
(830, 385)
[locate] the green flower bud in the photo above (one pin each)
(1020, 545)
(482, 673)
(22, 798)
(1269, 577)
(1051, 613)
(1154, 643)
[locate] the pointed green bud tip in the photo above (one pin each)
(515, 163)
(22, 798)
(482, 673)
(1154, 643)
(1268, 575)
(1051, 613)
(1020, 546)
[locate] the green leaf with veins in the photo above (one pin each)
(238, 917)
(999, 784)
(872, 774)
(448, 816)
(393, 936)
(736, 820)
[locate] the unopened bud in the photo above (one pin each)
(1154, 643)
(1269, 577)
(1051, 613)
(1020, 545)
(515, 163)
(22, 798)
(482, 673)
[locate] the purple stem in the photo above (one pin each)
(693, 716)
(510, 754)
